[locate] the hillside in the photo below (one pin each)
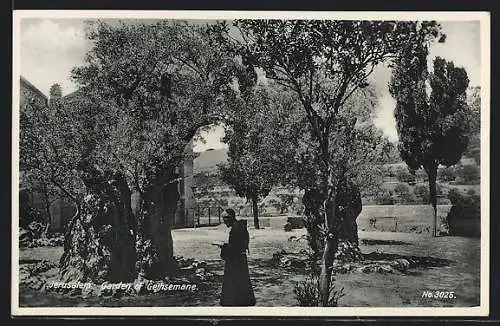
(207, 161)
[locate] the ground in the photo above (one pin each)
(274, 286)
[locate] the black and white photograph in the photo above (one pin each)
(250, 163)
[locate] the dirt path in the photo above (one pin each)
(274, 286)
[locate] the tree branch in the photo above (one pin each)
(65, 191)
(192, 66)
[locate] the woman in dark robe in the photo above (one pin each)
(236, 288)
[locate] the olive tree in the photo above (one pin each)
(323, 62)
(256, 144)
(144, 92)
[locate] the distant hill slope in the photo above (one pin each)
(207, 161)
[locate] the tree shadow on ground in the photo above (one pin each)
(297, 262)
(415, 261)
(29, 261)
(375, 242)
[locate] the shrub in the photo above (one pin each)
(307, 293)
(444, 229)
(439, 189)
(262, 209)
(247, 211)
(285, 202)
(298, 208)
(402, 192)
(296, 222)
(455, 196)
(422, 193)
(447, 174)
(471, 192)
(421, 175)
(33, 235)
(274, 204)
(403, 175)
(469, 174)
(464, 216)
(384, 198)
(387, 172)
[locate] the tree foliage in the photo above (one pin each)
(474, 102)
(324, 63)
(403, 194)
(44, 164)
(49, 148)
(447, 174)
(144, 91)
(151, 88)
(433, 128)
(156, 85)
(422, 193)
(256, 156)
(285, 203)
(403, 175)
(468, 174)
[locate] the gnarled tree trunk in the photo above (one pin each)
(331, 244)
(99, 242)
(347, 203)
(314, 220)
(348, 208)
(159, 205)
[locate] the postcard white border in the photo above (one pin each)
(482, 310)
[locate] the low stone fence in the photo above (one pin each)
(391, 218)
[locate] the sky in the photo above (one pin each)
(50, 48)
